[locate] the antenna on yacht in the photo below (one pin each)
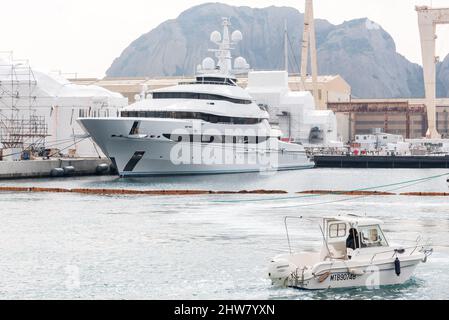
(225, 42)
(143, 91)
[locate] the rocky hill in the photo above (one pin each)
(359, 50)
(443, 78)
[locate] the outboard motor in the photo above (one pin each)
(279, 271)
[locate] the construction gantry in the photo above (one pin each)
(428, 19)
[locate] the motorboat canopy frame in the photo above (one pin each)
(353, 220)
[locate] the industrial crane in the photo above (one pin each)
(428, 19)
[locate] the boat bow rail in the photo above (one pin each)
(403, 250)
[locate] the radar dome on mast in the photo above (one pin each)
(236, 36)
(215, 37)
(240, 63)
(208, 64)
(225, 42)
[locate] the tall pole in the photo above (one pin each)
(285, 46)
(305, 47)
(313, 55)
(308, 40)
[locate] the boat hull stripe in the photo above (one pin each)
(137, 156)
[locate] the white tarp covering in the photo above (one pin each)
(294, 111)
(61, 102)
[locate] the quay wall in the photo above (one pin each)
(43, 168)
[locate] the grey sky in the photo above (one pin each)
(84, 36)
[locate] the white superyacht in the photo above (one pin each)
(208, 126)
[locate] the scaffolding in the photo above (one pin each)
(24, 133)
(20, 127)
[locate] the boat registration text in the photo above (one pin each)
(342, 276)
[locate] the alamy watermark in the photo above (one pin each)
(248, 148)
(373, 280)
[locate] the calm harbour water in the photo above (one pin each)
(74, 246)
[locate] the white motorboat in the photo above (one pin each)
(208, 126)
(355, 253)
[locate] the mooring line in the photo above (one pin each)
(350, 199)
(333, 193)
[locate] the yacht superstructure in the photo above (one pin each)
(207, 126)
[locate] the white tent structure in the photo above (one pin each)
(294, 111)
(38, 107)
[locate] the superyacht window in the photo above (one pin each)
(198, 96)
(191, 116)
(216, 138)
(216, 80)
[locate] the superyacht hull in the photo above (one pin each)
(153, 153)
(166, 168)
